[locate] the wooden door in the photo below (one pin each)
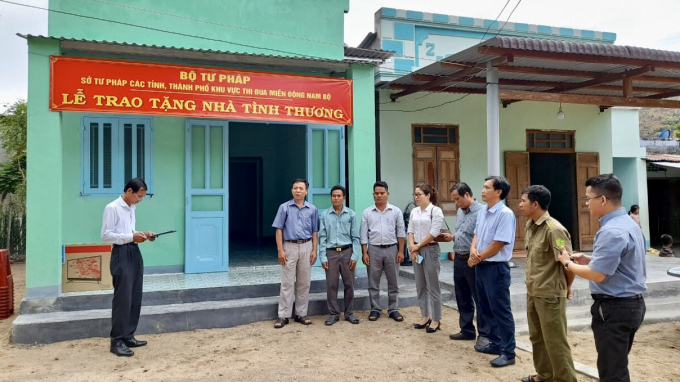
(587, 166)
(447, 177)
(424, 166)
(517, 172)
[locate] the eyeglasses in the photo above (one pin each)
(417, 195)
(594, 197)
(138, 198)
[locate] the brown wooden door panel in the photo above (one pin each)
(424, 164)
(517, 172)
(587, 166)
(447, 176)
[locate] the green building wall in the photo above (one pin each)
(57, 212)
(280, 27)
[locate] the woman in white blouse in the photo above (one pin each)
(423, 227)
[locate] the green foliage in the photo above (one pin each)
(13, 135)
(677, 130)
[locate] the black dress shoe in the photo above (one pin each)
(121, 350)
(352, 319)
(133, 343)
(502, 361)
(332, 320)
(461, 337)
(422, 326)
(488, 349)
(430, 329)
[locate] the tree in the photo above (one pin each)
(677, 130)
(13, 124)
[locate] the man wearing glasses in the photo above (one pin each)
(617, 274)
(127, 266)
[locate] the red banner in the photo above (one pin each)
(126, 87)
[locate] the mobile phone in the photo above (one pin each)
(419, 259)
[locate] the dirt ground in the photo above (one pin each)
(369, 351)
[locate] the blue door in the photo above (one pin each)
(206, 196)
(325, 163)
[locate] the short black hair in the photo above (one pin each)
(135, 184)
(380, 183)
(341, 188)
(461, 188)
(500, 183)
(300, 180)
(607, 185)
(538, 194)
(633, 208)
(666, 239)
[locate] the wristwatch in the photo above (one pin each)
(566, 265)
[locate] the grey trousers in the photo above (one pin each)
(427, 282)
(338, 265)
(383, 260)
(295, 279)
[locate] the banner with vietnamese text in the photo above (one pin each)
(126, 87)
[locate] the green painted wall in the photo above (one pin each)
(361, 144)
(44, 180)
(163, 211)
(279, 27)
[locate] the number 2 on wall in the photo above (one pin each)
(430, 48)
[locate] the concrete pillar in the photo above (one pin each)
(44, 178)
(493, 150)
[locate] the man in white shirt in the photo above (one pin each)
(127, 266)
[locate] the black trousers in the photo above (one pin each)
(466, 298)
(127, 269)
(615, 322)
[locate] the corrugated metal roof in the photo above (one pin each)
(598, 60)
(559, 46)
(374, 54)
(371, 57)
(663, 158)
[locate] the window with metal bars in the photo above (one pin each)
(115, 150)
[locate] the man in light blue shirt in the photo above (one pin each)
(617, 274)
(490, 252)
(339, 249)
(297, 227)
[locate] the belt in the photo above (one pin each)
(302, 241)
(597, 296)
(339, 249)
(430, 244)
(122, 245)
(384, 245)
(463, 256)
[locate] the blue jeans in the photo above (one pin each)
(492, 280)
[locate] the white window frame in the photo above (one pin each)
(117, 153)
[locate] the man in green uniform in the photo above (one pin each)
(548, 287)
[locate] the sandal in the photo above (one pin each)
(396, 316)
(531, 378)
(304, 320)
(374, 315)
(280, 323)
